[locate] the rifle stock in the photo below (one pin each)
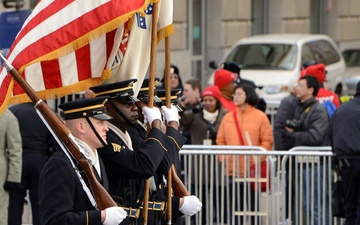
(101, 196)
(178, 186)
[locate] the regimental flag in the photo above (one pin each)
(66, 46)
(133, 57)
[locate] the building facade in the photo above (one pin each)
(206, 29)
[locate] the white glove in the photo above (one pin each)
(191, 205)
(171, 114)
(114, 215)
(151, 114)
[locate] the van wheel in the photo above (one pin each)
(338, 89)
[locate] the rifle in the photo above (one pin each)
(102, 197)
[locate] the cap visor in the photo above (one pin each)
(134, 99)
(102, 117)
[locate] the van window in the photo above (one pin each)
(307, 56)
(319, 52)
(264, 56)
(352, 57)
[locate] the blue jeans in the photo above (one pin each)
(319, 198)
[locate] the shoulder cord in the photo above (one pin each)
(84, 186)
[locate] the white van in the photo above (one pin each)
(274, 61)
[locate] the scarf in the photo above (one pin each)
(90, 154)
(209, 116)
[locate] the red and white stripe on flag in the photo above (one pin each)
(66, 46)
(134, 61)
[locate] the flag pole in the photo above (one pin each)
(151, 96)
(168, 104)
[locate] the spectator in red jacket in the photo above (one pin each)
(224, 80)
(324, 94)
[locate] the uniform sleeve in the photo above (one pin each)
(175, 209)
(175, 141)
(14, 146)
(58, 193)
(140, 163)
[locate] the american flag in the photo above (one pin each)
(66, 46)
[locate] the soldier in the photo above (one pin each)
(129, 161)
(157, 191)
(64, 198)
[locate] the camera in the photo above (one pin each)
(197, 108)
(294, 124)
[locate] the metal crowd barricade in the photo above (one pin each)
(306, 178)
(234, 198)
(290, 195)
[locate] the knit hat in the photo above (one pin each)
(223, 77)
(317, 70)
(212, 91)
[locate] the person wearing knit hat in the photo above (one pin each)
(235, 69)
(324, 94)
(317, 70)
(211, 99)
(211, 91)
(224, 79)
(203, 128)
(211, 112)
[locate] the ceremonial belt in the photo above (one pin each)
(155, 206)
(134, 213)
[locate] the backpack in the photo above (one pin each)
(330, 107)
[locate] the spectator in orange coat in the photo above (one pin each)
(251, 121)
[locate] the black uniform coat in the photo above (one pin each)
(62, 198)
(127, 169)
(172, 158)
